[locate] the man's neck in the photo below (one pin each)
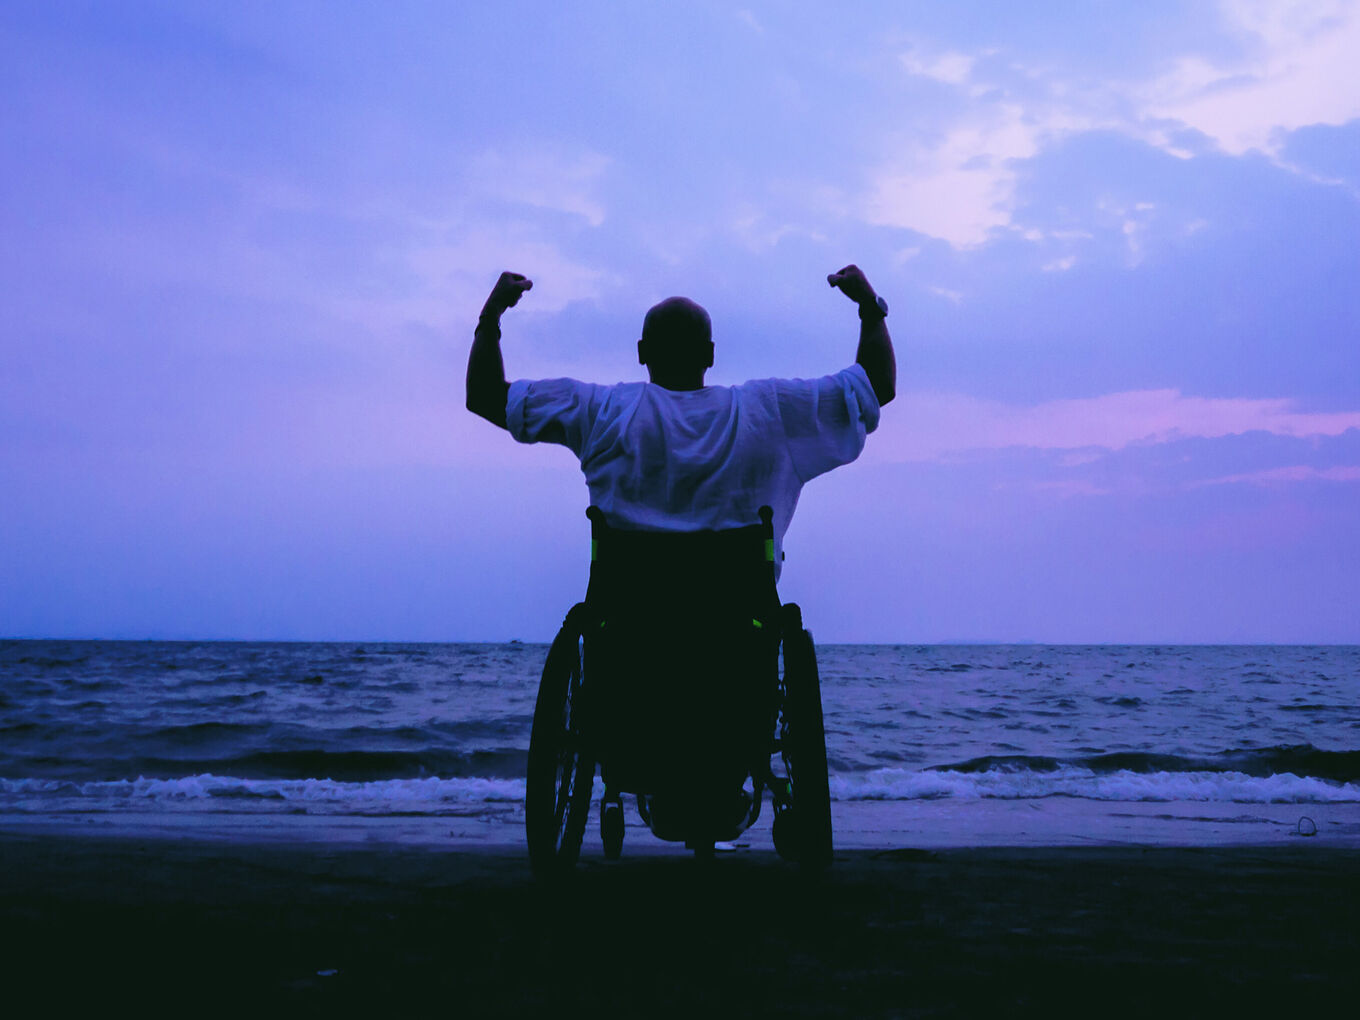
(679, 384)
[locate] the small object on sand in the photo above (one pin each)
(1305, 827)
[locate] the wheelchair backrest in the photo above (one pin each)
(681, 652)
(683, 578)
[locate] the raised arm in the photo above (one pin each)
(486, 385)
(875, 352)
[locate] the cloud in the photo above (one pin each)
(954, 179)
(543, 178)
(759, 233)
(961, 188)
(450, 269)
(1290, 473)
(950, 67)
(933, 426)
(749, 19)
(1298, 69)
(447, 259)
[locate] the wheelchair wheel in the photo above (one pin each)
(561, 770)
(803, 742)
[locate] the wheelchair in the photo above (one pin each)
(667, 677)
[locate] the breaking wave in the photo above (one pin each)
(1296, 759)
(1001, 783)
(236, 795)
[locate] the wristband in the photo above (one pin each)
(873, 310)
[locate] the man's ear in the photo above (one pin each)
(642, 352)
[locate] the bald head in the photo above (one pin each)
(677, 319)
(676, 344)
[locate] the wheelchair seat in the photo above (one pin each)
(668, 677)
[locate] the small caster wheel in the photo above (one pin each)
(703, 849)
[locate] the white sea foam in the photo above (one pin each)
(999, 784)
(230, 794)
(491, 796)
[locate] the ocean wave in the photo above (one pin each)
(488, 795)
(303, 764)
(215, 731)
(1296, 759)
(234, 794)
(98, 750)
(373, 766)
(1087, 784)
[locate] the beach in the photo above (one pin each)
(172, 924)
(313, 829)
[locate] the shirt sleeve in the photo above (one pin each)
(826, 420)
(560, 411)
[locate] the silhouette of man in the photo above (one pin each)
(673, 454)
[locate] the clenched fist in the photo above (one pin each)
(853, 284)
(507, 292)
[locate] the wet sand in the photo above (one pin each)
(176, 925)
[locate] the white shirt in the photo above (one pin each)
(667, 460)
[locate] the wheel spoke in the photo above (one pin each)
(563, 801)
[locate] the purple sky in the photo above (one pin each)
(245, 245)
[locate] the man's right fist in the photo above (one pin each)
(853, 284)
(507, 292)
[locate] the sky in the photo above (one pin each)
(245, 246)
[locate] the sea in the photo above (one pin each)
(929, 745)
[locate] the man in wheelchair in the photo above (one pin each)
(667, 675)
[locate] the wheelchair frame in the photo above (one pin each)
(568, 736)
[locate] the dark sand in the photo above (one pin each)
(189, 927)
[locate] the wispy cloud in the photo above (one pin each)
(956, 181)
(543, 178)
(1287, 475)
(950, 67)
(1298, 68)
(759, 232)
(931, 426)
(445, 256)
(960, 188)
(449, 270)
(747, 18)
